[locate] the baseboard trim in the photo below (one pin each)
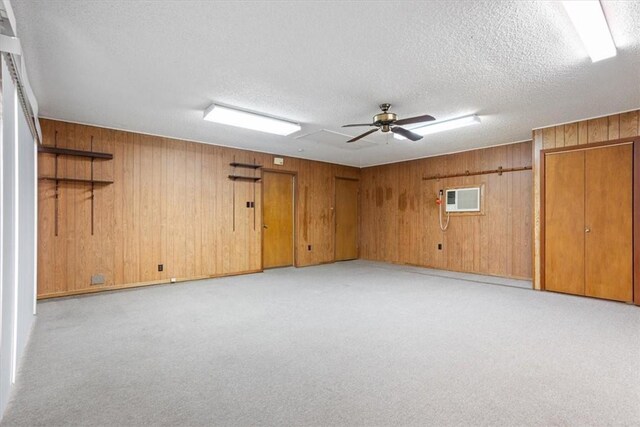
(481, 273)
(97, 289)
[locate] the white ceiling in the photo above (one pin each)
(154, 66)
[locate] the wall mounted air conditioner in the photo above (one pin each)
(463, 199)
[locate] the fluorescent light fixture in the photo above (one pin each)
(443, 126)
(244, 119)
(588, 19)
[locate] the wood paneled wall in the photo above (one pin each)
(400, 216)
(607, 128)
(171, 203)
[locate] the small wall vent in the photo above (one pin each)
(97, 279)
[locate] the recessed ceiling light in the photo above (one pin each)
(245, 119)
(588, 19)
(442, 126)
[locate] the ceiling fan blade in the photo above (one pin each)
(411, 120)
(358, 124)
(364, 134)
(406, 133)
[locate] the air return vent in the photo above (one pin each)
(335, 139)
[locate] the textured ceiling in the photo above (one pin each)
(154, 66)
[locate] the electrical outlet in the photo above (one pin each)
(160, 267)
(439, 246)
(173, 280)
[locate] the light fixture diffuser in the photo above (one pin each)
(590, 23)
(254, 121)
(443, 126)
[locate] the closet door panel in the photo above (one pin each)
(564, 222)
(609, 223)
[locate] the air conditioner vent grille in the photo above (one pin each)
(463, 199)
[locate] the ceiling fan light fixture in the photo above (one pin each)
(591, 25)
(444, 126)
(249, 120)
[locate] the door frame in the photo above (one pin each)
(294, 177)
(636, 205)
(335, 216)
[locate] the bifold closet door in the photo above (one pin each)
(609, 223)
(564, 260)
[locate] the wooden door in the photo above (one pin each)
(609, 223)
(564, 241)
(346, 211)
(277, 219)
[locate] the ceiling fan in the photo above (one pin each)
(387, 121)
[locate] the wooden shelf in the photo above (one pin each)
(244, 178)
(60, 151)
(245, 165)
(77, 153)
(89, 181)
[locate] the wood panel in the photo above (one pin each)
(570, 134)
(171, 203)
(609, 219)
(346, 212)
(277, 219)
(597, 130)
(564, 234)
(399, 217)
(629, 124)
(636, 223)
(537, 209)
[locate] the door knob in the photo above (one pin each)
(587, 230)
(265, 226)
